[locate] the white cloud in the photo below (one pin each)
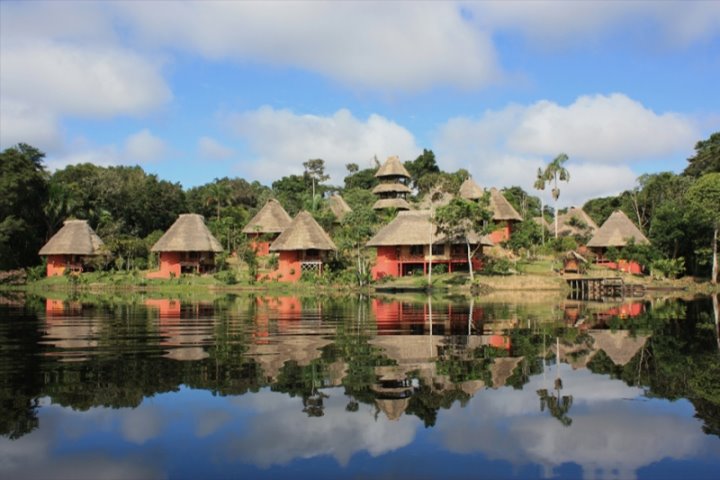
(399, 47)
(20, 122)
(284, 140)
(144, 147)
(85, 81)
(211, 149)
(140, 147)
(603, 136)
(553, 22)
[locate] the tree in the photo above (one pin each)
(703, 199)
(424, 164)
(23, 193)
(706, 158)
(552, 173)
(463, 218)
(364, 179)
(315, 170)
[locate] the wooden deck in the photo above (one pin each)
(612, 287)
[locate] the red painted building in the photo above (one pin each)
(187, 247)
(71, 248)
(266, 226)
(302, 247)
(403, 247)
(504, 215)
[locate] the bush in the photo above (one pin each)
(227, 277)
(439, 269)
(497, 266)
(667, 267)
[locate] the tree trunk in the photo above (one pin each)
(716, 312)
(714, 274)
(556, 220)
(469, 256)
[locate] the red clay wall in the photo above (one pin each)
(289, 269)
(261, 247)
(386, 263)
(56, 265)
(169, 265)
(502, 233)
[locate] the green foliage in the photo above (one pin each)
(441, 182)
(528, 206)
(439, 269)
(293, 192)
(497, 266)
(563, 244)
(361, 179)
(525, 235)
(423, 165)
(599, 209)
(706, 159)
(667, 267)
(228, 277)
(23, 192)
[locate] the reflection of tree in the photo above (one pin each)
(557, 405)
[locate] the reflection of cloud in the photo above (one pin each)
(33, 456)
(288, 434)
(210, 421)
(610, 433)
(141, 424)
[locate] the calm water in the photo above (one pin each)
(253, 387)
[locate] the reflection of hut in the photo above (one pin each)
(573, 262)
(71, 248)
(301, 349)
(617, 231)
(303, 246)
(339, 207)
(576, 222)
(392, 189)
(402, 247)
(502, 368)
(393, 408)
(619, 346)
(187, 247)
(266, 226)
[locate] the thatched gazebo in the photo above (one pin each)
(71, 248)
(266, 226)
(187, 247)
(617, 231)
(392, 189)
(403, 247)
(470, 190)
(303, 246)
(339, 207)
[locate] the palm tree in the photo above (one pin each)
(554, 172)
(540, 185)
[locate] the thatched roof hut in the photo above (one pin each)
(304, 233)
(392, 167)
(188, 234)
(620, 346)
(413, 228)
(501, 208)
(396, 203)
(272, 218)
(74, 238)
(570, 223)
(339, 207)
(616, 232)
(471, 190)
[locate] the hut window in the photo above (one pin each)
(416, 250)
(438, 249)
(312, 253)
(457, 249)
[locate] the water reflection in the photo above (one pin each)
(268, 381)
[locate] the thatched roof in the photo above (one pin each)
(471, 190)
(616, 232)
(502, 368)
(413, 228)
(573, 255)
(565, 220)
(392, 167)
(272, 218)
(339, 207)
(619, 346)
(501, 208)
(188, 234)
(398, 203)
(390, 188)
(393, 408)
(304, 233)
(542, 222)
(74, 238)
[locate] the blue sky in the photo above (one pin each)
(198, 90)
